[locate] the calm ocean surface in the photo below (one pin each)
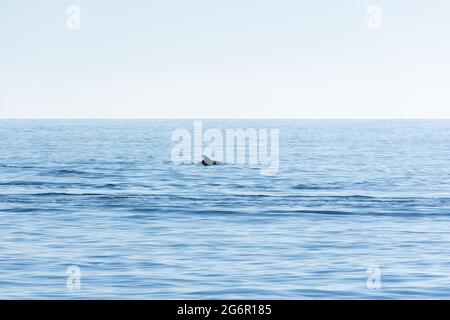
(105, 196)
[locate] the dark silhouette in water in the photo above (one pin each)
(208, 162)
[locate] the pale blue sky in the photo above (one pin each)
(225, 59)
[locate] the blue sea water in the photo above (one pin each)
(104, 196)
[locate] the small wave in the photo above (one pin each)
(234, 186)
(32, 209)
(63, 172)
(22, 183)
(111, 186)
(305, 187)
(17, 166)
(317, 187)
(55, 194)
(326, 212)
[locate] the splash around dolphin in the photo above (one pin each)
(208, 162)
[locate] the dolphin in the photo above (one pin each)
(208, 162)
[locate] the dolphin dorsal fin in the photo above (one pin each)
(207, 160)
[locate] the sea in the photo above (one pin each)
(98, 209)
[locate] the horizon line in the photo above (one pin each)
(199, 118)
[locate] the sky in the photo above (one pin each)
(229, 59)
